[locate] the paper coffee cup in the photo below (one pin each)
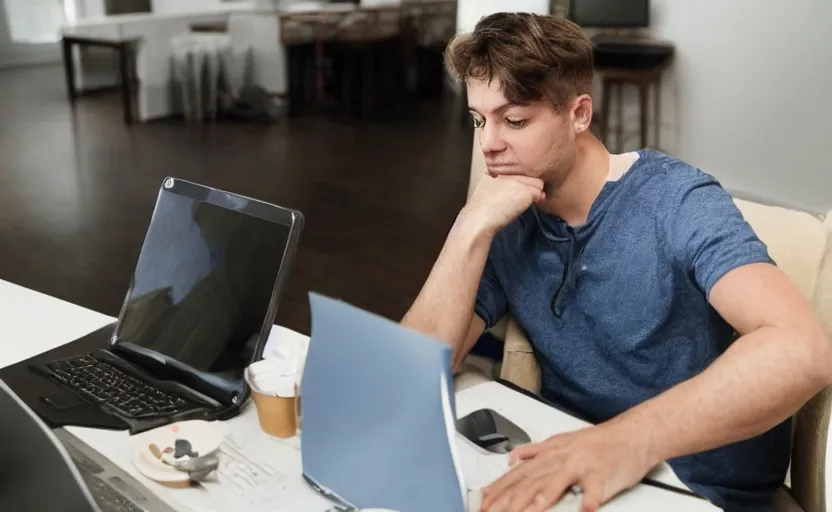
(276, 414)
(275, 396)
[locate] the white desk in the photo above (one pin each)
(34, 322)
(541, 422)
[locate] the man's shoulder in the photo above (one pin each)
(670, 180)
(670, 171)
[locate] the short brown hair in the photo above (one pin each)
(533, 56)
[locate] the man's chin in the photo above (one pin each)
(504, 171)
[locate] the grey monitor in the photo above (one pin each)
(42, 469)
(610, 13)
(36, 472)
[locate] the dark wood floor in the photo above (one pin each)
(77, 189)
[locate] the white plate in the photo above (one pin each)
(204, 438)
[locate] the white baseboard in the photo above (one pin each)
(25, 62)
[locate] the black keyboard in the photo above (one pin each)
(103, 383)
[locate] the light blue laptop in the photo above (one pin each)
(378, 413)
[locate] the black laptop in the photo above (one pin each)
(199, 309)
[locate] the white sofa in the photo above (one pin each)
(801, 245)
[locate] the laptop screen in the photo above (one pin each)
(202, 289)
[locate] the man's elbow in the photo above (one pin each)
(818, 365)
(824, 343)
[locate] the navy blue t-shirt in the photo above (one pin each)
(617, 308)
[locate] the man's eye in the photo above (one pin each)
(478, 123)
(516, 123)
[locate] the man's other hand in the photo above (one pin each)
(603, 461)
(498, 201)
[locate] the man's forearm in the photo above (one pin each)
(445, 305)
(762, 379)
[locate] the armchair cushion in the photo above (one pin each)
(519, 364)
(810, 467)
(784, 502)
(796, 241)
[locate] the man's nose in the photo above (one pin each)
(490, 140)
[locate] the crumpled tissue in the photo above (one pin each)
(280, 371)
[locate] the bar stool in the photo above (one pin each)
(644, 80)
(368, 46)
(307, 36)
(202, 64)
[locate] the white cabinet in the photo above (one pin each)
(260, 30)
(153, 62)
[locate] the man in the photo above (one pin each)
(653, 308)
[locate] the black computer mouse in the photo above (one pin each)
(492, 431)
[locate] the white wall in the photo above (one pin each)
(89, 8)
(469, 12)
(14, 53)
(751, 89)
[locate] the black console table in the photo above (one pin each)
(123, 48)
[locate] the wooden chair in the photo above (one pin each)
(644, 80)
(367, 47)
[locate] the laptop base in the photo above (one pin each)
(112, 488)
(51, 401)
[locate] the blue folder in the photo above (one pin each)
(378, 413)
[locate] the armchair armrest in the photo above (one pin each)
(519, 364)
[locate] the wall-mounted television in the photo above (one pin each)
(610, 13)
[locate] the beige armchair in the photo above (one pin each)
(801, 245)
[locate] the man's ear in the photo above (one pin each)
(581, 113)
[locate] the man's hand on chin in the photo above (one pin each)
(602, 460)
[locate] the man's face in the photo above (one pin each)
(530, 140)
